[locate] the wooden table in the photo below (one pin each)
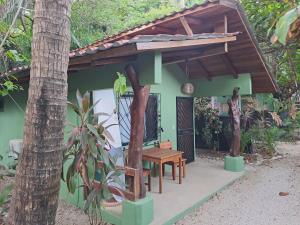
(160, 156)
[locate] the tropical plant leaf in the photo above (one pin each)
(75, 108)
(86, 102)
(79, 98)
(91, 168)
(4, 194)
(108, 135)
(70, 178)
(284, 24)
(120, 87)
(89, 200)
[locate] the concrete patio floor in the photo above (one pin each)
(204, 179)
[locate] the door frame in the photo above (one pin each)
(193, 112)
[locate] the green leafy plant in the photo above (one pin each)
(7, 86)
(4, 201)
(87, 157)
(212, 123)
(120, 87)
(287, 26)
(6, 191)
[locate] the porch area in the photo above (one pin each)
(204, 179)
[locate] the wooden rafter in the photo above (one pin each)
(100, 62)
(116, 60)
(229, 64)
(163, 29)
(180, 56)
(165, 45)
(193, 20)
(226, 31)
(206, 73)
(186, 26)
(222, 28)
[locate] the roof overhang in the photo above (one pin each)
(207, 58)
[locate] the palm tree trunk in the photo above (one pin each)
(35, 196)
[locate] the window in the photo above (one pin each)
(151, 118)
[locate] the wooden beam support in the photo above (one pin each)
(165, 45)
(205, 72)
(229, 64)
(186, 26)
(193, 20)
(116, 60)
(163, 29)
(86, 64)
(222, 27)
(180, 56)
(226, 31)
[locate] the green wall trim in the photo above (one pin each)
(200, 203)
(110, 216)
(157, 68)
(234, 164)
(222, 86)
(132, 213)
(149, 66)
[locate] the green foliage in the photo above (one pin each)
(120, 87)
(275, 17)
(4, 195)
(87, 156)
(7, 86)
(213, 125)
(93, 20)
(284, 25)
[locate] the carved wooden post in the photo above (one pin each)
(235, 121)
(137, 110)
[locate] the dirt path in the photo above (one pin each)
(255, 198)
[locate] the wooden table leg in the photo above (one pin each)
(160, 177)
(180, 170)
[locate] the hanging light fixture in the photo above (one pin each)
(187, 88)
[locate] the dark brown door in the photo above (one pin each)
(185, 127)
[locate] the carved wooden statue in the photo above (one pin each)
(235, 120)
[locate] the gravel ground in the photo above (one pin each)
(255, 199)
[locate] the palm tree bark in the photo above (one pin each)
(137, 110)
(37, 184)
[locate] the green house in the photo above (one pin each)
(206, 50)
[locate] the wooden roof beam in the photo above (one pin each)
(181, 56)
(163, 29)
(222, 28)
(100, 62)
(205, 72)
(229, 64)
(165, 45)
(186, 26)
(193, 20)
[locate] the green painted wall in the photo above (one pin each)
(170, 77)
(165, 80)
(12, 121)
(223, 86)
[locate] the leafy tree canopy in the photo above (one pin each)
(275, 22)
